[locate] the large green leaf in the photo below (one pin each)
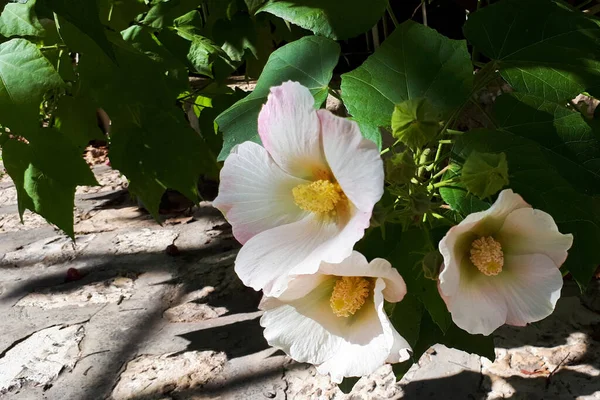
(84, 15)
(534, 176)
(75, 118)
(25, 76)
(541, 46)
(415, 61)
(571, 141)
(46, 172)
(159, 151)
(309, 61)
(331, 18)
(19, 19)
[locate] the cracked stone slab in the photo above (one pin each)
(41, 357)
(48, 251)
(113, 290)
(443, 372)
(192, 310)
(154, 377)
(144, 240)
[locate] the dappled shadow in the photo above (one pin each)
(236, 340)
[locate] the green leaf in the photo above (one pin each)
(309, 61)
(406, 318)
(542, 47)
(46, 172)
(458, 197)
(84, 15)
(156, 150)
(335, 19)
(25, 77)
(19, 19)
(237, 36)
(118, 14)
(534, 176)
(75, 118)
(163, 13)
(571, 141)
(414, 62)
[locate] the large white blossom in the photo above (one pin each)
(501, 266)
(305, 197)
(335, 317)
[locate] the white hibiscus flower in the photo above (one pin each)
(501, 266)
(305, 197)
(335, 318)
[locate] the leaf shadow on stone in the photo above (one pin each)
(236, 340)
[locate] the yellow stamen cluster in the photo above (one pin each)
(349, 294)
(319, 196)
(487, 255)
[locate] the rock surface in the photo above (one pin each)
(136, 310)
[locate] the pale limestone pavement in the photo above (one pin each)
(144, 323)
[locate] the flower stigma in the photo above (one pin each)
(349, 295)
(319, 196)
(487, 255)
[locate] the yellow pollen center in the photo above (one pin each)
(319, 196)
(487, 255)
(349, 295)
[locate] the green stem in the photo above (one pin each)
(440, 173)
(445, 141)
(448, 182)
(454, 132)
(54, 47)
(392, 16)
(424, 11)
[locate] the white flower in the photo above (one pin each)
(305, 197)
(501, 266)
(335, 318)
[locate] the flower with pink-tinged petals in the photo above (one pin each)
(501, 266)
(335, 319)
(305, 197)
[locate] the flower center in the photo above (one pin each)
(487, 255)
(319, 196)
(349, 294)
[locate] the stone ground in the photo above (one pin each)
(123, 314)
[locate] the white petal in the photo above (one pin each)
(530, 231)
(531, 285)
(494, 217)
(452, 249)
(357, 265)
(455, 245)
(478, 306)
(268, 260)
(306, 328)
(366, 345)
(255, 194)
(354, 160)
(289, 129)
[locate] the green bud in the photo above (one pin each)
(415, 122)
(400, 168)
(484, 174)
(431, 264)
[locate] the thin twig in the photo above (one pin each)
(392, 16)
